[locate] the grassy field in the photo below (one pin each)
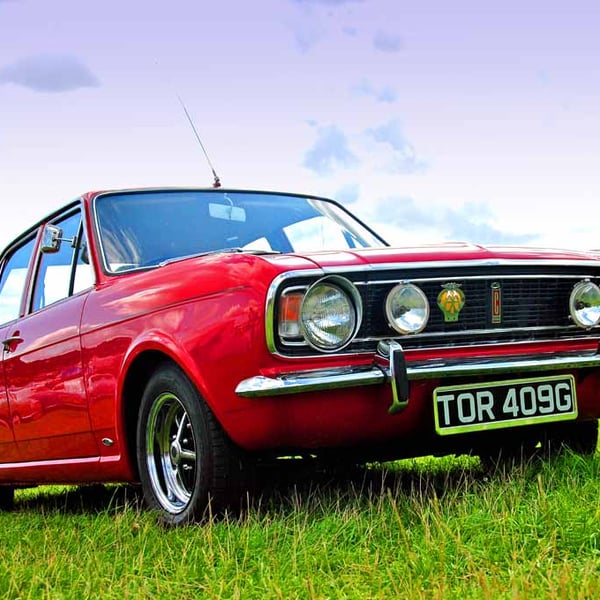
(431, 528)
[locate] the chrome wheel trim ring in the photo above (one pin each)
(171, 453)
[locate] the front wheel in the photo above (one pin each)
(188, 466)
(7, 497)
(580, 437)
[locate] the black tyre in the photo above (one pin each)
(578, 436)
(7, 497)
(505, 449)
(188, 467)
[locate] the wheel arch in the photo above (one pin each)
(145, 355)
(139, 368)
(138, 374)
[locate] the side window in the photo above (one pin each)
(65, 272)
(84, 273)
(317, 233)
(13, 281)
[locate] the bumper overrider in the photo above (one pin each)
(391, 367)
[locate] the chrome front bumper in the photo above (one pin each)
(398, 373)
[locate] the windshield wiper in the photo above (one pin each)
(232, 250)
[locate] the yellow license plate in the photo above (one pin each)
(503, 404)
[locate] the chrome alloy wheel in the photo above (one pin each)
(171, 453)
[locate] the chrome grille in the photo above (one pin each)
(526, 303)
(534, 306)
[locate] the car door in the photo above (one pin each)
(42, 363)
(13, 283)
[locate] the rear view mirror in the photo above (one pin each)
(227, 212)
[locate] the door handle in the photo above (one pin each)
(8, 342)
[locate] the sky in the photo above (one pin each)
(432, 121)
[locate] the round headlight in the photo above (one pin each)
(329, 315)
(585, 304)
(407, 308)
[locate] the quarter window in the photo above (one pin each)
(13, 281)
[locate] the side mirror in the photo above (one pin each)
(51, 239)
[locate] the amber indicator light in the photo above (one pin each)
(289, 315)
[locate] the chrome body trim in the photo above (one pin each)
(271, 301)
(481, 278)
(476, 332)
(482, 345)
(345, 377)
(592, 262)
(370, 268)
(311, 381)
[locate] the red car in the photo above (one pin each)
(176, 337)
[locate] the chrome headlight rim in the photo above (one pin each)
(349, 290)
(580, 318)
(393, 321)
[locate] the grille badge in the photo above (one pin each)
(496, 303)
(451, 301)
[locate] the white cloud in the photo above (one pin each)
(388, 42)
(330, 152)
(309, 27)
(403, 158)
(348, 194)
(472, 221)
(49, 73)
(386, 94)
(307, 32)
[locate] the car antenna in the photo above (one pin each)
(217, 181)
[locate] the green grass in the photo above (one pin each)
(429, 528)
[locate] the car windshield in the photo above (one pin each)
(144, 229)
